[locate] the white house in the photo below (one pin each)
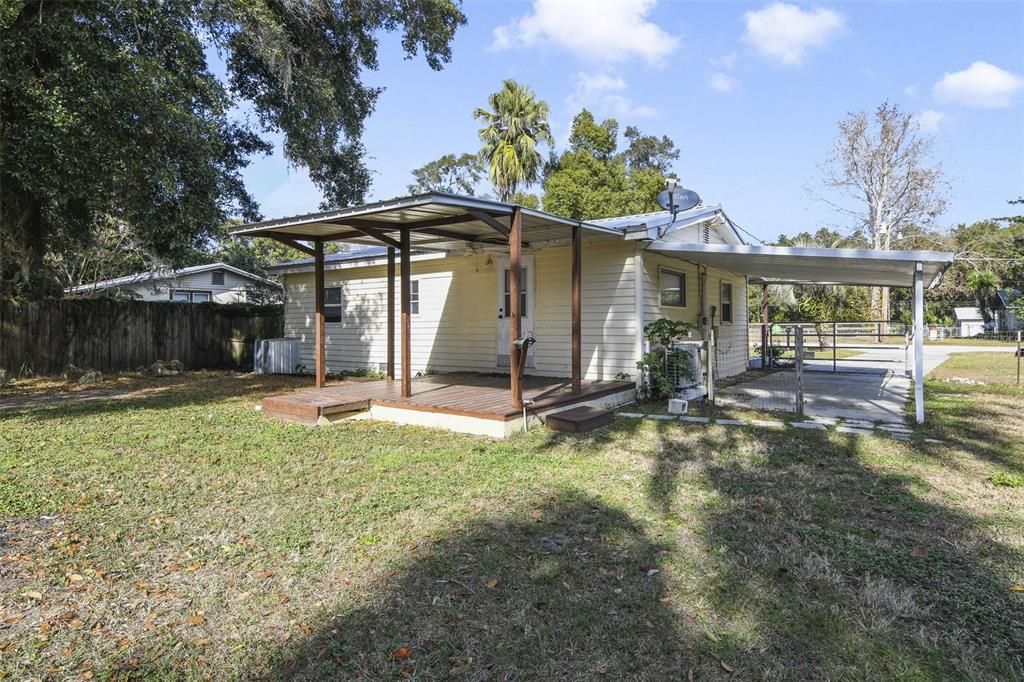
(213, 282)
(460, 302)
(439, 280)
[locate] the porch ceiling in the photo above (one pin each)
(798, 265)
(435, 221)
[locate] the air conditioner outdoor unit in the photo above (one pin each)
(686, 371)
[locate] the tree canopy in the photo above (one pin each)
(591, 179)
(450, 173)
(110, 113)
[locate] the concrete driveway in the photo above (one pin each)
(875, 389)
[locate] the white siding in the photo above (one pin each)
(608, 323)
(456, 328)
(732, 337)
(232, 291)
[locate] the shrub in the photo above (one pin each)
(654, 364)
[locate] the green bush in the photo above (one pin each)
(655, 363)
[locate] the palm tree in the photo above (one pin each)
(513, 127)
(983, 284)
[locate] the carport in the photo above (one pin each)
(802, 265)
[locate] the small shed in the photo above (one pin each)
(969, 321)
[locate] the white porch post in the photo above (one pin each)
(919, 342)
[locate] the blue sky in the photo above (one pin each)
(750, 92)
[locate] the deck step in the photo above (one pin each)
(580, 419)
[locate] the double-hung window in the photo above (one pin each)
(673, 288)
(726, 301)
(332, 304)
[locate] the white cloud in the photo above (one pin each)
(609, 32)
(601, 93)
(979, 85)
(786, 33)
(928, 121)
(723, 82)
(910, 91)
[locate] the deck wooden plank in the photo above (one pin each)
(485, 397)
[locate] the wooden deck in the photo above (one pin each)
(466, 395)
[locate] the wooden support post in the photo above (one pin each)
(406, 319)
(515, 247)
(577, 310)
(318, 299)
(391, 314)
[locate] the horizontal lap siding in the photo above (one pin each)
(608, 322)
(457, 325)
(454, 330)
(732, 337)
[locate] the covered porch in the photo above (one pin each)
(452, 224)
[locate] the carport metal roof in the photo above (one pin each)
(802, 265)
(435, 220)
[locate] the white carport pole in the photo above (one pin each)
(919, 342)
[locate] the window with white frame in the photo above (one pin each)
(186, 296)
(523, 286)
(217, 278)
(414, 297)
(726, 301)
(673, 288)
(332, 304)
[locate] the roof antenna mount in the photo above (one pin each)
(675, 198)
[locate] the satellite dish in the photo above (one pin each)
(678, 200)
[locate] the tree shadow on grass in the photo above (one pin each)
(988, 426)
(849, 572)
(569, 590)
(191, 388)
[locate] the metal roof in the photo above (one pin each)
(799, 265)
(151, 275)
(436, 220)
(368, 255)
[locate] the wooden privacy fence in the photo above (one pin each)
(113, 335)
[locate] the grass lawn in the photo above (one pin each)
(969, 341)
(998, 369)
(179, 533)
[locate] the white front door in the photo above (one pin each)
(526, 293)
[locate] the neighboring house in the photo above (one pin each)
(1009, 321)
(969, 321)
(459, 300)
(214, 282)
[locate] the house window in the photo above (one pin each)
(217, 278)
(332, 304)
(414, 297)
(523, 309)
(673, 288)
(726, 301)
(184, 296)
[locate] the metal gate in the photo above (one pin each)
(871, 346)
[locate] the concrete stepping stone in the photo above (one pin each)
(828, 421)
(631, 415)
(859, 423)
(695, 420)
(842, 428)
(768, 423)
(810, 426)
(731, 422)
